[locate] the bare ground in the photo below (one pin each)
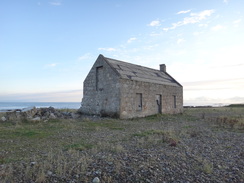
(201, 145)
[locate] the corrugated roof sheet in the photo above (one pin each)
(140, 73)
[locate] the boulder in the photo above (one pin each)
(26, 113)
(3, 119)
(96, 180)
(36, 119)
(29, 112)
(49, 173)
(52, 116)
(13, 115)
(75, 115)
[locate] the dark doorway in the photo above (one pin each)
(159, 103)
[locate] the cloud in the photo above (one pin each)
(192, 19)
(154, 34)
(203, 25)
(217, 27)
(154, 23)
(85, 57)
(107, 49)
(180, 41)
(219, 90)
(183, 12)
(55, 3)
(213, 101)
(237, 21)
(197, 33)
(52, 65)
(226, 1)
(131, 39)
(74, 95)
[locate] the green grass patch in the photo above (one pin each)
(154, 117)
(8, 160)
(187, 126)
(27, 133)
(29, 130)
(78, 146)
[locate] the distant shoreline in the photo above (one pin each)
(210, 106)
(10, 106)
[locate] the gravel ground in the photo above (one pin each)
(160, 149)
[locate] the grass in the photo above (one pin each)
(80, 146)
(224, 117)
(207, 167)
(148, 133)
(109, 124)
(69, 147)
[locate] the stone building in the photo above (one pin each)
(120, 89)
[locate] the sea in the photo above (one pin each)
(5, 106)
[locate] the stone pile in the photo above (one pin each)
(37, 114)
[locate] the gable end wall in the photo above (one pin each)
(101, 98)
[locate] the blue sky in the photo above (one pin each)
(47, 47)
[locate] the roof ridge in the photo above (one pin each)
(133, 64)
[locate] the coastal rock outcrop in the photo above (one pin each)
(18, 114)
(37, 114)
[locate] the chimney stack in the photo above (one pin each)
(162, 67)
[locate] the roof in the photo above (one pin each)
(139, 73)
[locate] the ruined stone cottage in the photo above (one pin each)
(120, 89)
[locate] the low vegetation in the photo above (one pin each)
(203, 144)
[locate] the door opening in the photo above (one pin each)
(139, 101)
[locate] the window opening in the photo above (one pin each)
(159, 103)
(99, 76)
(139, 101)
(174, 98)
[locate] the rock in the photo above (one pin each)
(75, 115)
(98, 172)
(96, 180)
(32, 163)
(172, 143)
(52, 116)
(3, 119)
(49, 173)
(79, 110)
(110, 163)
(36, 119)
(38, 114)
(11, 115)
(29, 112)
(26, 113)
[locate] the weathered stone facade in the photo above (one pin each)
(119, 89)
(149, 92)
(101, 93)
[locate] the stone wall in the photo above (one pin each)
(101, 94)
(149, 92)
(105, 93)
